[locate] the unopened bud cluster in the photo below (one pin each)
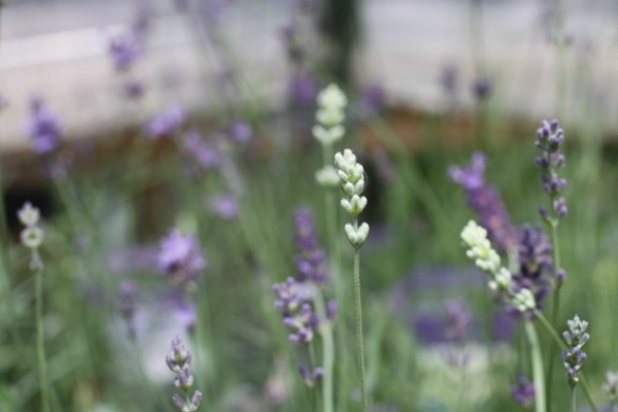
(32, 235)
(479, 249)
(179, 362)
(329, 128)
(574, 357)
(352, 180)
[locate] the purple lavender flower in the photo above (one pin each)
(485, 201)
(203, 154)
(133, 89)
(224, 206)
(458, 320)
(180, 257)
(295, 302)
(44, 128)
(482, 88)
(303, 88)
(449, 79)
(310, 377)
(574, 357)
(535, 262)
(311, 259)
(167, 123)
(523, 391)
(240, 132)
(179, 362)
(124, 49)
(372, 101)
(549, 138)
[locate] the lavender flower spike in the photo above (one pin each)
(311, 259)
(574, 357)
(549, 139)
(486, 202)
(180, 258)
(523, 392)
(535, 262)
(44, 128)
(179, 362)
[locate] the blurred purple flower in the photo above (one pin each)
(535, 262)
(459, 319)
(449, 79)
(186, 315)
(167, 123)
(523, 392)
(44, 128)
(133, 89)
(224, 206)
(311, 259)
(124, 49)
(180, 257)
(482, 88)
(485, 201)
(310, 377)
(303, 88)
(372, 101)
(295, 302)
(195, 146)
(240, 132)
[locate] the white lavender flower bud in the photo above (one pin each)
(327, 176)
(480, 250)
(357, 235)
(330, 116)
(523, 300)
(352, 181)
(32, 235)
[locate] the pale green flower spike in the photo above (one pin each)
(479, 249)
(330, 115)
(352, 180)
(327, 176)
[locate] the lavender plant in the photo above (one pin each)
(32, 238)
(305, 311)
(352, 181)
(179, 361)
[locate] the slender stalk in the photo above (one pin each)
(360, 349)
(537, 368)
(555, 309)
(328, 353)
(573, 401)
(40, 341)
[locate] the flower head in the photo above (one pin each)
(535, 262)
(44, 128)
(167, 123)
(549, 139)
(179, 362)
(330, 115)
(124, 48)
(32, 235)
(486, 202)
(574, 357)
(523, 391)
(352, 182)
(180, 257)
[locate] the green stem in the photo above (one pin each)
(573, 401)
(360, 349)
(537, 367)
(328, 353)
(38, 279)
(555, 309)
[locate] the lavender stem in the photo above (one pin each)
(537, 368)
(555, 308)
(360, 349)
(40, 344)
(328, 352)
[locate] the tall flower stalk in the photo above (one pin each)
(549, 139)
(352, 180)
(32, 237)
